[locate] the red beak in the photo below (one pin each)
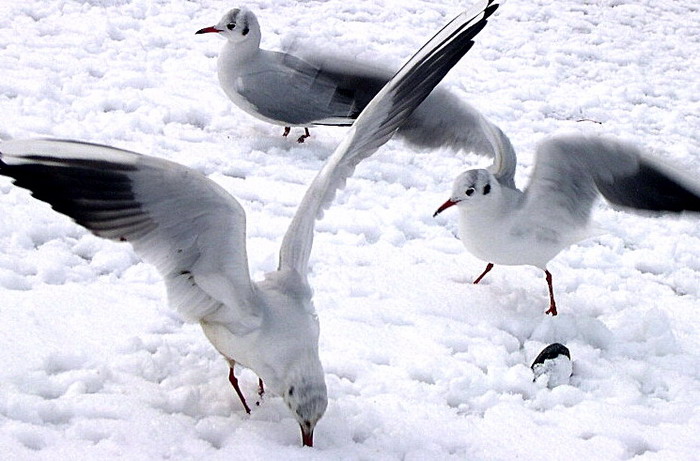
(307, 437)
(207, 30)
(444, 206)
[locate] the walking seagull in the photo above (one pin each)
(500, 224)
(315, 89)
(193, 231)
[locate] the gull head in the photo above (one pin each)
(292, 366)
(307, 399)
(303, 384)
(470, 188)
(237, 26)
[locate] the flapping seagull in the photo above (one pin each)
(501, 224)
(193, 231)
(318, 89)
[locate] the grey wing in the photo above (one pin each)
(300, 93)
(443, 120)
(184, 224)
(378, 122)
(350, 83)
(571, 170)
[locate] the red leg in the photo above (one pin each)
(304, 136)
(286, 131)
(489, 266)
(234, 382)
(552, 305)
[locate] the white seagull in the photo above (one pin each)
(288, 90)
(193, 231)
(500, 224)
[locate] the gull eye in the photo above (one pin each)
(231, 26)
(470, 191)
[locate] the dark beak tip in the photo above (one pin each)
(443, 207)
(207, 30)
(307, 438)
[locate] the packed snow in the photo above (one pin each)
(420, 363)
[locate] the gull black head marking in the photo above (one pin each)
(240, 18)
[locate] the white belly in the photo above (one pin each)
(504, 242)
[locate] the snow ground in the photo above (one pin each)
(420, 364)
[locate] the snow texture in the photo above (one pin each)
(420, 363)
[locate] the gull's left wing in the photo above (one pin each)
(184, 224)
(572, 169)
(378, 122)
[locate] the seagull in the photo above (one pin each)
(288, 90)
(193, 231)
(501, 224)
(554, 362)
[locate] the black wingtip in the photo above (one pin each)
(650, 189)
(490, 10)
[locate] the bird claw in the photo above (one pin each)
(261, 392)
(306, 134)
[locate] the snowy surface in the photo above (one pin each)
(420, 364)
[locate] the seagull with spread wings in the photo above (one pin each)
(194, 233)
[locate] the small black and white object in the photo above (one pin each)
(553, 365)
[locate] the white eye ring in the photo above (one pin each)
(470, 191)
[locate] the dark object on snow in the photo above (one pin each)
(555, 362)
(551, 352)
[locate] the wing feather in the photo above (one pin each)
(175, 218)
(571, 169)
(378, 122)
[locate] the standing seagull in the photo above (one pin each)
(287, 90)
(194, 232)
(500, 224)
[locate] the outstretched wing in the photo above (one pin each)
(378, 122)
(175, 218)
(571, 169)
(441, 120)
(446, 120)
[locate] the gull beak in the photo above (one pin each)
(444, 206)
(208, 30)
(307, 436)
